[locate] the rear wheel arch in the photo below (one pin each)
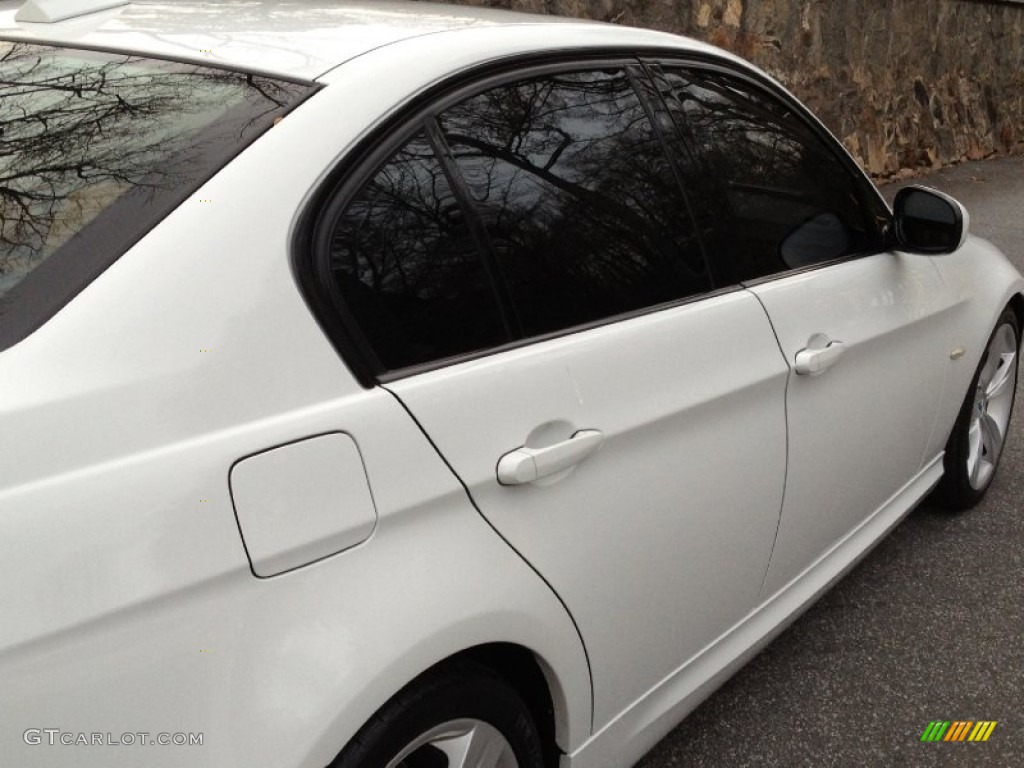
(535, 681)
(512, 665)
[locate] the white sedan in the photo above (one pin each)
(398, 385)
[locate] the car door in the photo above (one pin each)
(525, 281)
(866, 331)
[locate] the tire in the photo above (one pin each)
(979, 434)
(431, 722)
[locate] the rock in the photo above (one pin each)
(924, 83)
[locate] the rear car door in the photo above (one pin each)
(517, 268)
(866, 331)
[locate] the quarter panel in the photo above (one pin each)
(134, 609)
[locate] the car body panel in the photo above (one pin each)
(981, 282)
(144, 615)
(890, 312)
(689, 477)
(298, 40)
(625, 740)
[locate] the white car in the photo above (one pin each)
(406, 385)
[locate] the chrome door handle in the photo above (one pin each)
(820, 354)
(524, 465)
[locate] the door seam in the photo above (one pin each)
(531, 566)
(785, 415)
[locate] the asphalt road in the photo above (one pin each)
(929, 626)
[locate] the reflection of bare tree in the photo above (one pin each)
(577, 195)
(579, 206)
(78, 130)
(409, 268)
(398, 235)
(744, 136)
(761, 175)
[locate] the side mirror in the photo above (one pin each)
(927, 221)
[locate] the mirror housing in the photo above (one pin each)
(928, 221)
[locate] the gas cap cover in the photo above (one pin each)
(302, 502)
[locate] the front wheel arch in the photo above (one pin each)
(962, 486)
(1016, 305)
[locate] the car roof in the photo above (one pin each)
(300, 39)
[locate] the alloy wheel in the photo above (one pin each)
(993, 401)
(464, 743)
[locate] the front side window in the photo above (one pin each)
(768, 193)
(95, 149)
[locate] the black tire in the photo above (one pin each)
(459, 691)
(956, 491)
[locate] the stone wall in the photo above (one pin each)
(906, 84)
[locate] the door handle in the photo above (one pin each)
(820, 354)
(524, 465)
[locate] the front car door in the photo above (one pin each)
(865, 331)
(525, 281)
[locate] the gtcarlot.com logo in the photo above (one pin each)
(57, 737)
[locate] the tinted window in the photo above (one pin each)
(579, 203)
(95, 149)
(408, 268)
(768, 193)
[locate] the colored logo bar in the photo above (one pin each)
(958, 730)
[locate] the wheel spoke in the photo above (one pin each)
(988, 369)
(482, 747)
(1004, 342)
(991, 438)
(974, 452)
(1004, 377)
(467, 743)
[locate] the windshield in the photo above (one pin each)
(95, 149)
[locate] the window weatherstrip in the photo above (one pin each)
(485, 248)
(647, 91)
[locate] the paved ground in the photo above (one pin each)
(930, 626)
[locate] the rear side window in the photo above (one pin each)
(768, 193)
(95, 149)
(533, 207)
(579, 202)
(408, 269)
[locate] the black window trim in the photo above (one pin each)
(646, 89)
(397, 374)
(485, 248)
(315, 223)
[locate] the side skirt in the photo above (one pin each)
(624, 740)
